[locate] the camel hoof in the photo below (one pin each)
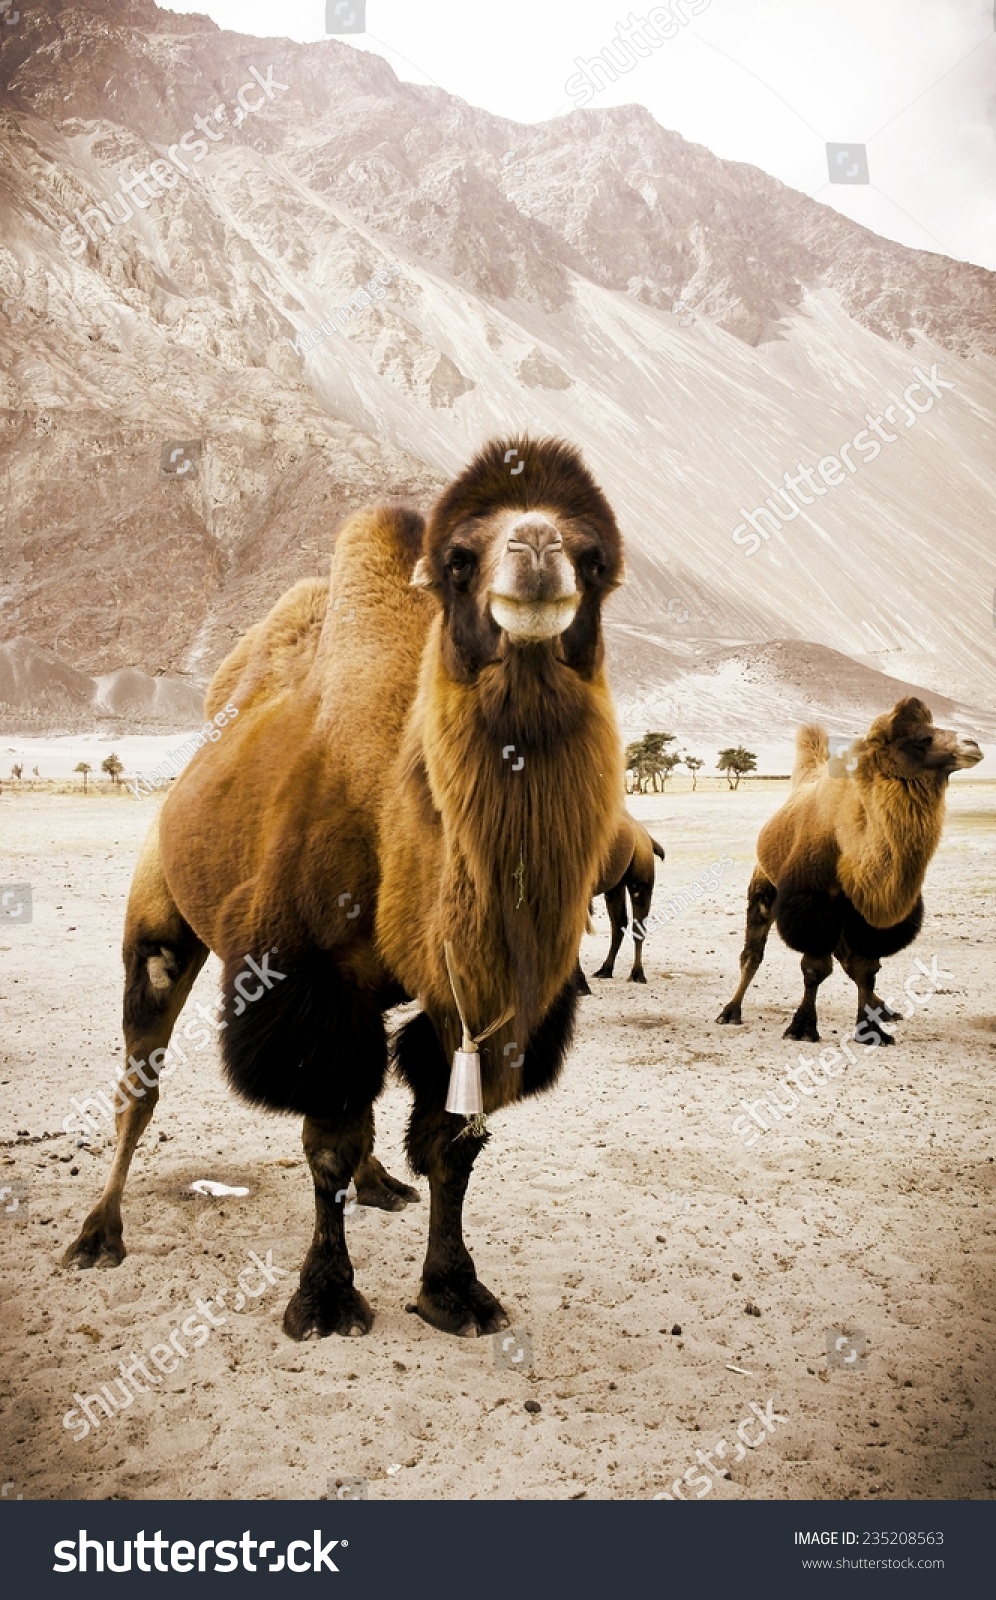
(731, 1013)
(603, 972)
(582, 985)
(803, 1031)
(465, 1309)
(638, 977)
(96, 1246)
(879, 1037)
(310, 1317)
(386, 1193)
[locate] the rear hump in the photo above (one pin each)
(812, 752)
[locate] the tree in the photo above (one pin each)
(668, 762)
(648, 759)
(17, 770)
(113, 767)
(736, 763)
(86, 769)
(693, 763)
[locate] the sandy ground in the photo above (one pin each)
(608, 1215)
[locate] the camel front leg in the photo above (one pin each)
(326, 1301)
(451, 1296)
(760, 914)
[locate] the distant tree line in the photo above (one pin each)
(649, 764)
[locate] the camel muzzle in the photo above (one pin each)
(966, 754)
(534, 594)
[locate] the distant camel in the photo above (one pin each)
(420, 807)
(841, 864)
(637, 880)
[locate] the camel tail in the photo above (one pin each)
(658, 848)
(812, 752)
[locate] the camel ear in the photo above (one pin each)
(422, 577)
(909, 716)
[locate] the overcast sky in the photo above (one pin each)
(769, 82)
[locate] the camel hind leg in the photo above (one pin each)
(815, 970)
(615, 905)
(872, 1012)
(642, 895)
(162, 957)
(760, 914)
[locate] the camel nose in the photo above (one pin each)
(537, 534)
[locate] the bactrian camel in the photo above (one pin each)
(841, 865)
(442, 774)
(637, 848)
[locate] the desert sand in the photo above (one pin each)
(868, 1210)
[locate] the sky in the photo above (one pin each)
(769, 82)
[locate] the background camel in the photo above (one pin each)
(638, 848)
(841, 865)
(440, 766)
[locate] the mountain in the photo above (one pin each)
(701, 331)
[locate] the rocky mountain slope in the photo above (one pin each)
(699, 329)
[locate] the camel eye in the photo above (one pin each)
(460, 564)
(917, 747)
(592, 564)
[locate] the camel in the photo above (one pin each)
(637, 848)
(416, 802)
(840, 866)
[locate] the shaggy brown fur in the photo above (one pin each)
(408, 768)
(841, 865)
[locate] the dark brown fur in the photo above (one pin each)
(362, 811)
(841, 864)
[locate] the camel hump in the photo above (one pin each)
(380, 541)
(275, 654)
(812, 752)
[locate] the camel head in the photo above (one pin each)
(905, 744)
(521, 550)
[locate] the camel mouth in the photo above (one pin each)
(528, 620)
(967, 754)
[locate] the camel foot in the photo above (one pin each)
(867, 1034)
(376, 1187)
(312, 1314)
(99, 1245)
(604, 971)
(807, 1031)
(885, 1013)
(462, 1307)
(638, 977)
(731, 1013)
(581, 983)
